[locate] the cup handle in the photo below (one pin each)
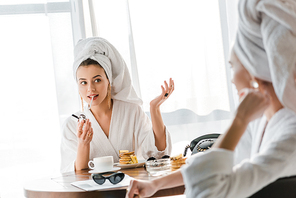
(91, 164)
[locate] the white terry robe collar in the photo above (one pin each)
(106, 148)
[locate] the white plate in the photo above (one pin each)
(99, 171)
(124, 166)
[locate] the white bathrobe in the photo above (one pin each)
(212, 174)
(130, 129)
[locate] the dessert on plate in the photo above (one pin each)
(177, 162)
(126, 157)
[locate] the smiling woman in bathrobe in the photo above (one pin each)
(256, 150)
(115, 120)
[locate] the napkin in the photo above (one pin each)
(91, 185)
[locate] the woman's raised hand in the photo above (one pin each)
(253, 104)
(167, 90)
(84, 132)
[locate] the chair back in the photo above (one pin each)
(284, 187)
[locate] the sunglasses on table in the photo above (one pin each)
(113, 177)
(153, 158)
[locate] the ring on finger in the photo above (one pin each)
(89, 134)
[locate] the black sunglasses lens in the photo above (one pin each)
(116, 178)
(165, 156)
(98, 179)
(151, 158)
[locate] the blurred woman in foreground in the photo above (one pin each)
(265, 146)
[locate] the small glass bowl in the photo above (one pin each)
(158, 167)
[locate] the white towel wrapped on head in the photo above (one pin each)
(266, 44)
(108, 57)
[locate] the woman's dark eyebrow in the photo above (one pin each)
(97, 76)
(93, 77)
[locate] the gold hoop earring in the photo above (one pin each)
(109, 96)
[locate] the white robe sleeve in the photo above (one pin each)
(211, 174)
(68, 145)
(145, 137)
(243, 148)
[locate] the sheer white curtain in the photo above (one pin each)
(186, 40)
(36, 50)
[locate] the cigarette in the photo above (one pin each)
(91, 102)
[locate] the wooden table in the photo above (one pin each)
(61, 186)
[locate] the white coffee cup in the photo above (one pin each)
(101, 163)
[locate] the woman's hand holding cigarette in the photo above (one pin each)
(167, 90)
(84, 132)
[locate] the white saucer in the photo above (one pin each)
(125, 166)
(100, 171)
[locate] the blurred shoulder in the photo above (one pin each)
(286, 113)
(285, 116)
